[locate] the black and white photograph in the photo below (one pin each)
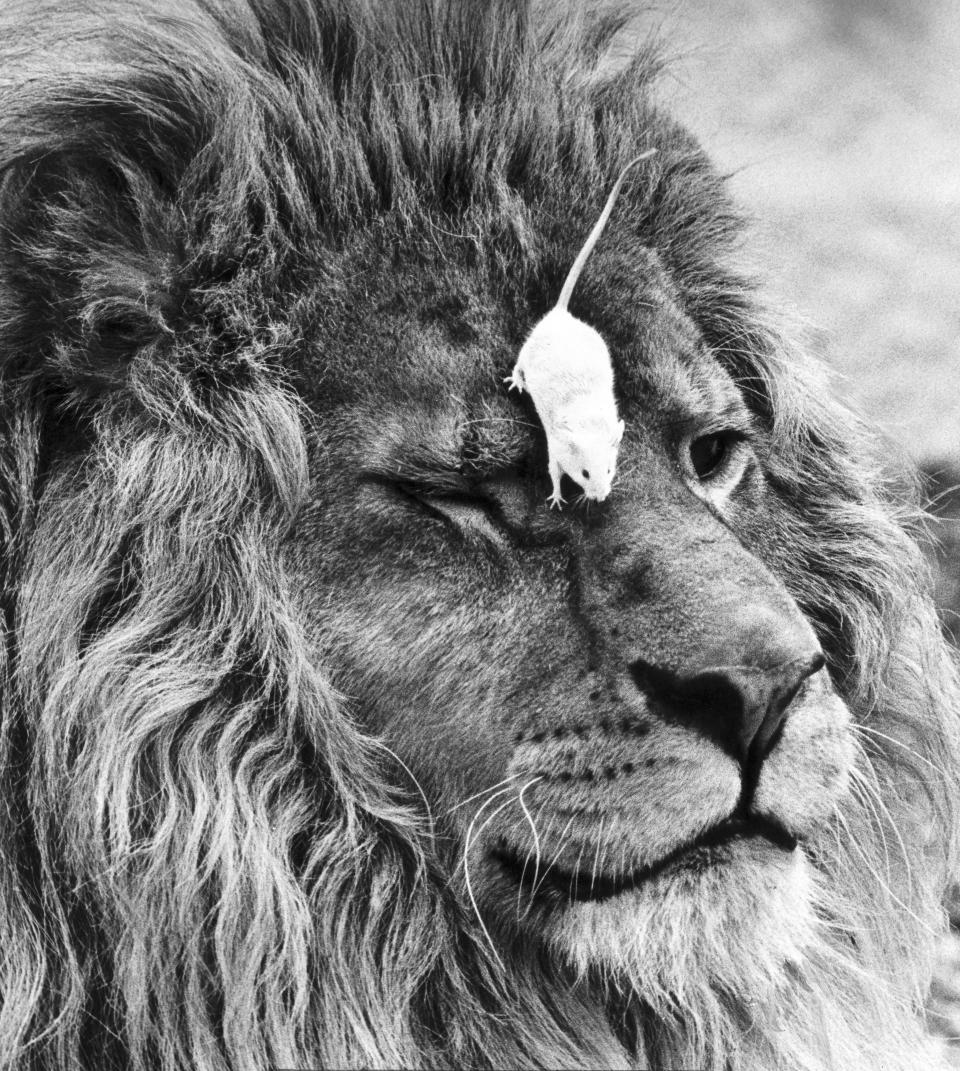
(480, 535)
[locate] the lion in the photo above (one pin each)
(324, 742)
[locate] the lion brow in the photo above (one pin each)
(415, 473)
(492, 444)
(439, 479)
(480, 449)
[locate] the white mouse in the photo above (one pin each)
(565, 365)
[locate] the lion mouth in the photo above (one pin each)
(577, 886)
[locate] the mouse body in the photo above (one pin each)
(565, 365)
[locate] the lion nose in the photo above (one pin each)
(740, 705)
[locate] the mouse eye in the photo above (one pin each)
(585, 474)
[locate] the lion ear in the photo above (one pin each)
(86, 276)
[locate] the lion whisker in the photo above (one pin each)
(546, 836)
(899, 743)
(576, 868)
(866, 780)
(865, 787)
(536, 841)
(553, 861)
(466, 866)
(482, 792)
(526, 858)
(526, 862)
(596, 854)
(483, 806)
(884, 884)
(874, 799)
(861, 790)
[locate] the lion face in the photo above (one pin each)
(618, 715)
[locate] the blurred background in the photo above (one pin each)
(839, 124)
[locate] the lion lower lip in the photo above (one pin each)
(576, 886)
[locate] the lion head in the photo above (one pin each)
(325, 742)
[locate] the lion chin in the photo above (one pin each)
(735, 924)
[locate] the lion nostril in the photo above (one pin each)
(784, 682)
(740, 707)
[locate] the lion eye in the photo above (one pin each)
(716, 464)
(469, 516)
(708, 454)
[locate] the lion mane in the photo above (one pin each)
(205, 860)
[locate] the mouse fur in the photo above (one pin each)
(565, 366)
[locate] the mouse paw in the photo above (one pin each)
(514, 382)
(556, 500)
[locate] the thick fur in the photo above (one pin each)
(204, 862)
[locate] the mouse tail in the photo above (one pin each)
(574, 274)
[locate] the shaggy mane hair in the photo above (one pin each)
(203, 862)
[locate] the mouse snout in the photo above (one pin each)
(596, 490)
